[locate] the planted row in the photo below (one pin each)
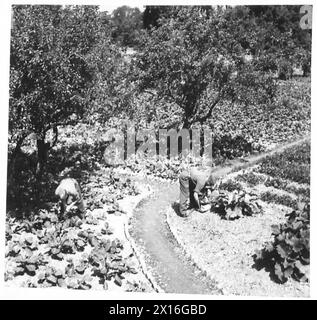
(293, 164)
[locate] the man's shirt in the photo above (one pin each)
(199, 178)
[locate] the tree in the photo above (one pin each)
(49, 72)
(110, 93)
(198, 60)
(285, 42)
(126, 24)
(152, 14)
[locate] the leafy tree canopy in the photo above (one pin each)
(198, 59)
(126, 25)
(49, 68)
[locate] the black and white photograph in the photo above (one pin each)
(154, 149)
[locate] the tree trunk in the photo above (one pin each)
(306, 70)
(42, 149)
(186, 123)
(188, 117)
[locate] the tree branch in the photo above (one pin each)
(55, 130)
(208, 114)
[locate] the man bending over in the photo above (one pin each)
(193, 184)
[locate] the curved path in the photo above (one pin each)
(165, 259)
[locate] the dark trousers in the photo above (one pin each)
(186, 197)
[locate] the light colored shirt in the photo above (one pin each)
(199, 177)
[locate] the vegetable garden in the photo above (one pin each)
(78, 74)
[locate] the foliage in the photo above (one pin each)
(284, 199)
(230, 185)
(152, 15)
(279, 183)
(288, 255)
(34, 242)
(251, 178)
(48, 70)
(239, 131)
(286, 119)
(293, 164)
(112, 90)
(233, 205)
(188, 61)
(230, 146)
(288, 45)
(126, 24)
(159, 167)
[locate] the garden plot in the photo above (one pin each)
(225, 249)
(285, 120)
(93, 253)
(228, 249)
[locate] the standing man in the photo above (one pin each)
(193, 183)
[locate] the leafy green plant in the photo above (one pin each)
(232, 205)
(288, 255)
(51, 277)
(28, 263)
(230, 185)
